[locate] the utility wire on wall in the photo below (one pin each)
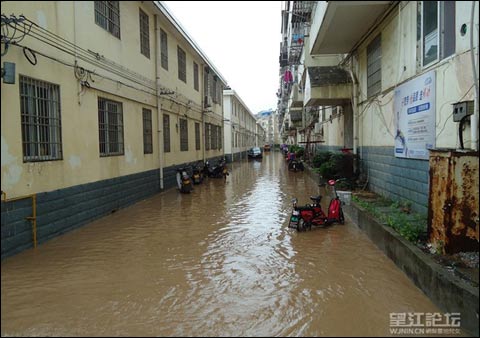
(25, 27)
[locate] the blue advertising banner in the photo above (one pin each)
(415, 117)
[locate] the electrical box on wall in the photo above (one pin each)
(462, 109)
(8, 72)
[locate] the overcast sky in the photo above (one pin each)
(242, 40)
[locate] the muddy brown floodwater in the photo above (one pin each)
(220, 261)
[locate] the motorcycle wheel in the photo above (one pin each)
(301, 225)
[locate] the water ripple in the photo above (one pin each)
(220, 261)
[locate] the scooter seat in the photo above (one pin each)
(316, 198)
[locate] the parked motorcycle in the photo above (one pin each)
(197, 174)
(295, 165)
(304, 217)
(184, 182)
(218, 171)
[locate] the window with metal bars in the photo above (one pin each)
(197, 136)
(213, 135)
(164, 49)
(166, 133)
(147, 131)
(183, 135)
(110, 125)
(107, 16)
(219, 93)
(41, 120)
(213, 89)
(195, 77)
(207, 136)
(206, 81)
(182, 64)
(219, 134)
(144, 34)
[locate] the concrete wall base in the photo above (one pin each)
(448, 292)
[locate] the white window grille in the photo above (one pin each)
(41, 120)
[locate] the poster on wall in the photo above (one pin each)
(415, 117)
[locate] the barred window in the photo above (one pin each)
(40, 119)
(219, 93)
(182, 65)
(219, 134)
(166, 133)
(206, 81)
(107, 16)
(207, 136)
(213, 137)
(197, 136)
(213, 89)
(147, 131)
(183, 135)
(144, 34)
(110, 123)
(195, 76)
(164, 49)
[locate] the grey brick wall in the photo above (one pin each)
(399, 179)
(396, 178)
(63, 210)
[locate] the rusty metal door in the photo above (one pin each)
(453, 201)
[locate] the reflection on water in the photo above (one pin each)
(220, 261)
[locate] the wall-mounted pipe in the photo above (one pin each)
(474, 118)
(32, 218)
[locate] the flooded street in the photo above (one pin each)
(220, 261)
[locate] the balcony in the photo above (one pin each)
(296, 97)
(329, 85)
(338, 25)
(296, 115)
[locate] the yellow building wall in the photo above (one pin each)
(81, 163)
(399, 65)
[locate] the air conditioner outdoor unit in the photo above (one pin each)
(208, 102)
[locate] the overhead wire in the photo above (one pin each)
(43, 35)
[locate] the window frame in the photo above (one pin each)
(144, 22)
(164, 49)
(147, 131)
(441, 29)
(196, 84)
(40, 141)
(166, 134)
(112, 11)
(113, 128)
(197, 136)
(374, 56)
(183, 125)
(182, 64)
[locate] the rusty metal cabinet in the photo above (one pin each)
(453, 213)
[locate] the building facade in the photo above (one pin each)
(379, 79)
(240, 127)
(90, 125)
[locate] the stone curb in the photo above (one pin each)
(447, 291)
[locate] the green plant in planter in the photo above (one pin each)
(320, 158)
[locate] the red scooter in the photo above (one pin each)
(303, 217)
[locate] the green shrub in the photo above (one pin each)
(327, 170)
(320, 158)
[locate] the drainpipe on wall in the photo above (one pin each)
(474, 119)
(354, 111)
(204, 141)
(159, 105)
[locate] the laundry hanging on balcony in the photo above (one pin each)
(288, 77)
